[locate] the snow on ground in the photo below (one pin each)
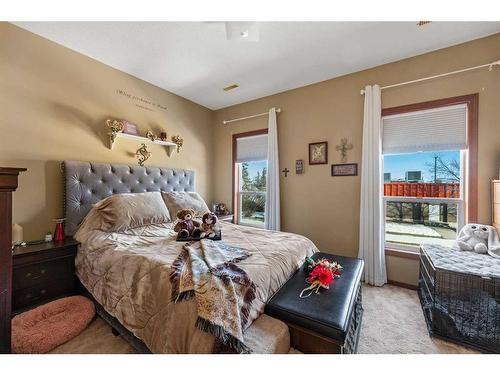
(411, 229)
(414, 240)
(418, 234)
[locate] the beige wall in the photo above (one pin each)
(53, 103)
(325, 208)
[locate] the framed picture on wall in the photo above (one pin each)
(318, 153)
(345, 169)
(299, 166)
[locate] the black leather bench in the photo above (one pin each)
(328, 322)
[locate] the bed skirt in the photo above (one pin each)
(116, 326)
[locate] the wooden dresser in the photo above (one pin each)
(8, 184)
(495, 199)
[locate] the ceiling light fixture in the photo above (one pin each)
(242, 31)
(231, 87)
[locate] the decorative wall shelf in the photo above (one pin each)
(170, 146)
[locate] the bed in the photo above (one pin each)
(128, 273)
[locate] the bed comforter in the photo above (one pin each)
(128, 273)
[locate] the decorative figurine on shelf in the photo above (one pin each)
(151, 136)
(115, 127)
(163, 136)
(178, 141)
(343, 148)
(142, 154)
(129, 128)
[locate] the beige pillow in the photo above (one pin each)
(177, 201)
(120, 212)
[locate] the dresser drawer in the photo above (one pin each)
(496, 192)
(41, 273)
(42, 292)
(496, 213)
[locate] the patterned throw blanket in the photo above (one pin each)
(207, 271)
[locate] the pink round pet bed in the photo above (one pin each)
(42, 329)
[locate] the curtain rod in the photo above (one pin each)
(278, 110)
(490, 66)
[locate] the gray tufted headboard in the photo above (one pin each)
(87, 183)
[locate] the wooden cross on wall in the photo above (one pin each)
(343, 148)
(286, 171)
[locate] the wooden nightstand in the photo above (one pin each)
(42, 273)
(226, 218)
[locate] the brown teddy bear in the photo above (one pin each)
(209, 226)
(186, 226)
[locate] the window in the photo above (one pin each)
(423, 198)
(252, 193)
(429, 175)
(249, 177)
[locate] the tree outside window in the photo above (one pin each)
(252, 192)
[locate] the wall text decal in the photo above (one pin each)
(141, 102)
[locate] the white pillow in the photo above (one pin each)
(176, 201)
(120, 212)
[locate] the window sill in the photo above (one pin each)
(402, 254)
(251, 225)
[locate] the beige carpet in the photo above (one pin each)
(96, 339)
(392, 323)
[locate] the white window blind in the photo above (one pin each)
(251, 148)
(437, 129)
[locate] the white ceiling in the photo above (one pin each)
(195, 60)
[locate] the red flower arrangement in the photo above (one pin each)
(322, 273)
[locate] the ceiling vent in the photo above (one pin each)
(231, 87)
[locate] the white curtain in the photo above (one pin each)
(371, 222)
(273, 175)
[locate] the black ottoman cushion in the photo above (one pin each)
(329, 313)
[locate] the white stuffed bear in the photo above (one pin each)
(474, 237)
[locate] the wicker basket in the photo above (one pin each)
(352, 335)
